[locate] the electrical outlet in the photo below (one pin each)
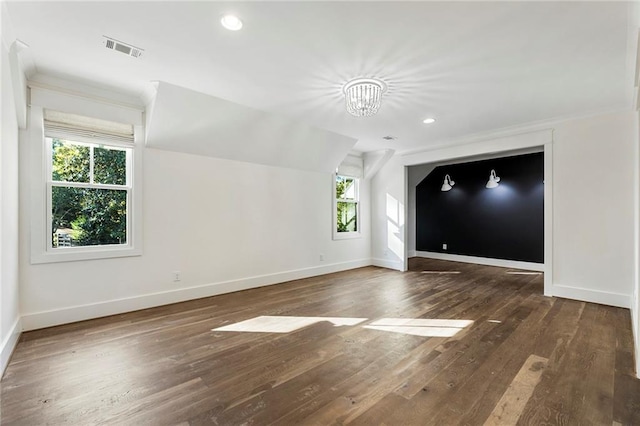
(444, 246)
(176, 276)
(321, 257)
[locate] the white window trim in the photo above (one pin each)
(345, 235)
(39, 189)
(128, 148)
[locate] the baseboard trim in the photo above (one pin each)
(594, 296)
(411, 253)
(386, 263)
(636, 336)
(482, 260)
(51, 318)
(9, 345)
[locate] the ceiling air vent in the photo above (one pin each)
(389, 138)
(121, 47)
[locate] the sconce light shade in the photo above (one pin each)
(493, 180)
(447, 184)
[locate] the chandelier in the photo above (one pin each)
(362, 96)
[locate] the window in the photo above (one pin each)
(89, 190)
(346, 207)
(86, 201)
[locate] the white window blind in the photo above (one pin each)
(67, 126)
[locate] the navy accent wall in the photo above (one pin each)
(506, 222)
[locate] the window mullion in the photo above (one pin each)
(91, 154)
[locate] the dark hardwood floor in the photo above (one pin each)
(394, 351)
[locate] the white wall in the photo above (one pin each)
(593, 217)
(226, 225)
(592, 209)
(9, 315)
(388, 203)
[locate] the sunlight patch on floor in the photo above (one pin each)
(420, 326)
(524, 272)
(425, 327)
(284, 324)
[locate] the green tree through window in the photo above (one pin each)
(89, 193)
(346, 204)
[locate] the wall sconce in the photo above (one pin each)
(493, 180)
(447, 184)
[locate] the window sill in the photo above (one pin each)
(346, 235)
(82, 253)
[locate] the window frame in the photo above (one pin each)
(40, 189)
(350, 234)
(50, 184)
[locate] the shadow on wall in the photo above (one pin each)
(484, 217)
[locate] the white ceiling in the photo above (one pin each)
(474, 66)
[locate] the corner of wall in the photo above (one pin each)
(635, 292)
(9, 344)
(7, 33)
(10, 325)
(396, 265)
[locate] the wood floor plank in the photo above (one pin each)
(435, 391)
(479, 337)
(626, 393)
(565, 388)
(169, 365)
(358, 396)
(513, 401)
(470, 402)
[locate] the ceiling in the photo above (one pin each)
(474, 66)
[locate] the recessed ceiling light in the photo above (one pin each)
(231, 22)
(429, 120)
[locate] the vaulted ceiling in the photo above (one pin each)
(474, 66)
